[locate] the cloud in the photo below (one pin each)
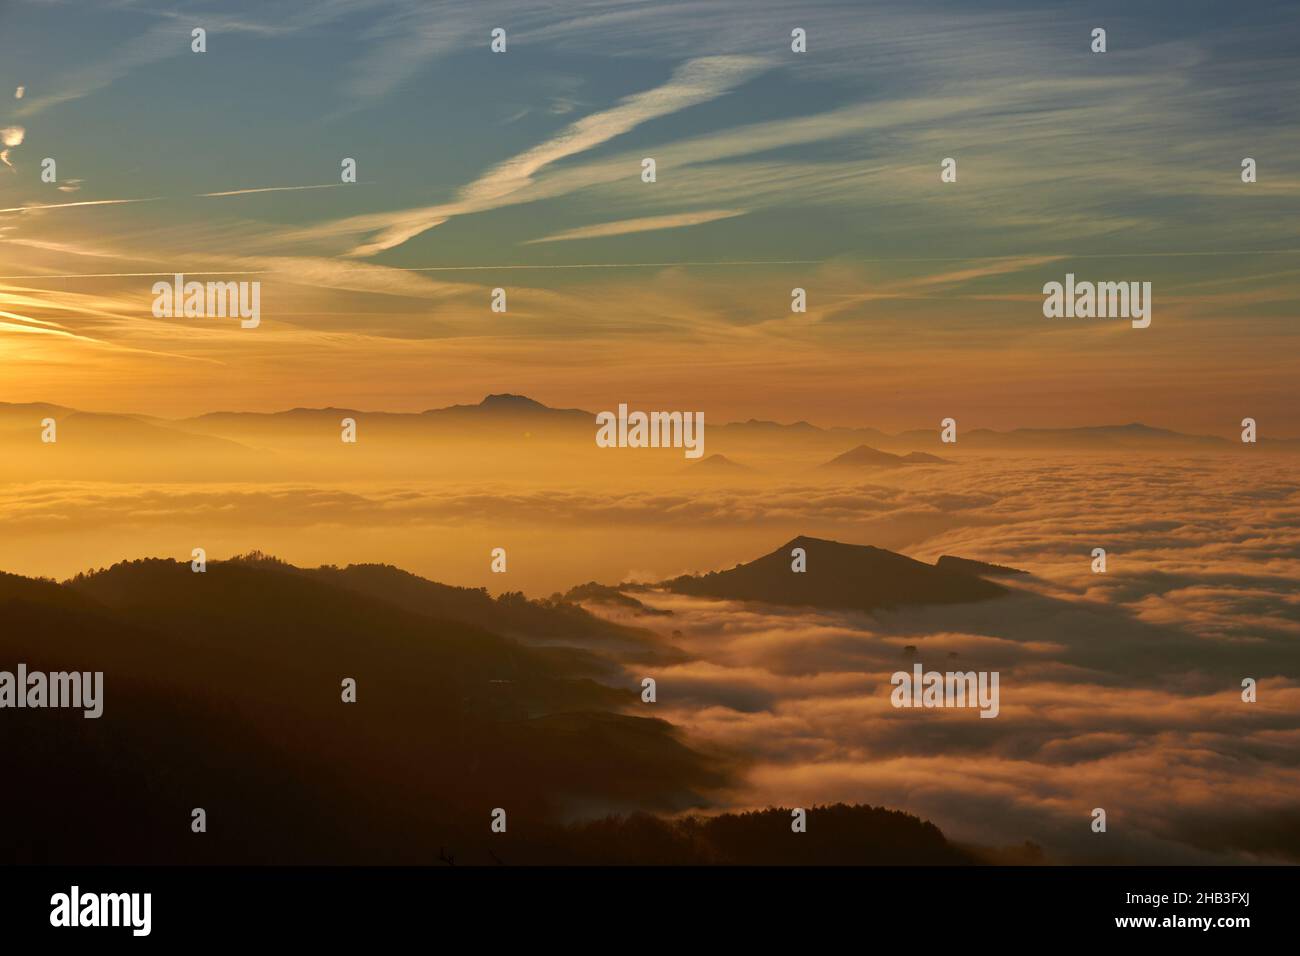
(39, 207)
(272, 189)
(697, 81)
(63, 248)
(645, 224)
(10, 136)
(159, 43)
(172, 39)
(1107, 681)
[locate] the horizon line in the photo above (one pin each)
(550, 408)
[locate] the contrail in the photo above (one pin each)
(278, 189)
(232, 192)
(88, 202)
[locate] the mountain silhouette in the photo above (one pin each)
(547, 622)
(719, 465)
(840, 834)
(221, 691)
(864, 456)
(947, 562)
(850, 576)
(594, 593)
(506, 407)
(505, 435)
(90, 445)
(505, 404)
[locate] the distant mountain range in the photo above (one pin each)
(513, 412)
(495, 411)
(510, 437)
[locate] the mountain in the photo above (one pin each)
(510, 416)
(1101, 438)
(594, 593)
(850, 576)
(719, 465)
(1090, 438)
(837, 835)
(29, 414)
(756, 426)
(559, 622)
(397, 435)
(966, 566)
(90, 446)
(506, 406)
(866, 457)
(222, 691)
(504, 437)
(79, 431)
(493, 408)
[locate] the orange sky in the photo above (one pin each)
(775, 171)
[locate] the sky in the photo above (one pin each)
(774, 170)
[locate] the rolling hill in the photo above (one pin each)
(849, 576)
(221, 691)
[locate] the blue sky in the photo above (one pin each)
(825, 162)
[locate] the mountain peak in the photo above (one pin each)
(507, 400)
(717, 463)
(865, 455)
(838, 575)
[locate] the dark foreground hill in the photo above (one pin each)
(851, 576)
(555, 622)
(836, 835)
(222, 691)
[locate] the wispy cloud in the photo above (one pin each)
(159, 43)
(645, 224)
(172, 38)
(273, 189)
(695, 82)
(63, 248)
(37, 207)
